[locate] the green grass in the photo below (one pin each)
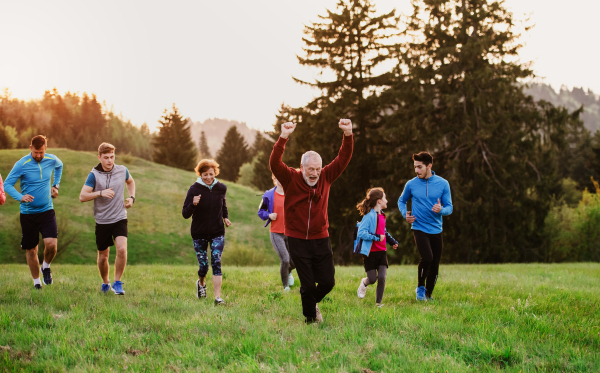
(157, 231)
(485, 318)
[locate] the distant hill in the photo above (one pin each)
(572, 100)
(157, 231)
(215, 130)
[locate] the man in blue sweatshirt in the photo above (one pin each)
(34, 171)
(431, 200)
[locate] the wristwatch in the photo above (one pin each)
(133, 198)
(56, 186)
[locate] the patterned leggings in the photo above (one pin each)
(216, 250)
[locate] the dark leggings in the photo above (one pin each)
(430, 247)
(373, 276)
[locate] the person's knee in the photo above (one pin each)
(202, 271)
(381, 277)
(50, 246)
(371, 278)
(327, 285)
(32, 253)
(122, 250)
(103, 256)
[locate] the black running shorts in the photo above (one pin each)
(34, 224)
(375, 259)
(105, 233)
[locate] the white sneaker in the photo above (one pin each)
(362, 289)
(319, 317)
(286, 289)
(200, 290)
(291, 280)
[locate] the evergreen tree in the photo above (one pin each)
(351, 41)
(232, 155)
(203, 150)
(173, 145)
(458, 95)
(261, 171)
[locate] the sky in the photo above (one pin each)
(227, 59)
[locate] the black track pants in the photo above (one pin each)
(430, 247)
(314, 265)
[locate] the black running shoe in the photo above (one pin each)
(47, 274)
(37, 287)
(200, 290)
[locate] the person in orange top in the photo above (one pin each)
(271, 210)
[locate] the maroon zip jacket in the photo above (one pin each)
(306, 207)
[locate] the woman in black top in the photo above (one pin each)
(205, 203)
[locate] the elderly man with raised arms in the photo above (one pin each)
(306, 221)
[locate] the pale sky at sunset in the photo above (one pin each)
(226, 59)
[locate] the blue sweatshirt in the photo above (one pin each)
(425, 194)
(36, 180)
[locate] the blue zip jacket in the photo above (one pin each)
(366, 234)
(35, 180)
(424, 194)
(266, 205)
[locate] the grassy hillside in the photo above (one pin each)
(514, 318)
(157, 231)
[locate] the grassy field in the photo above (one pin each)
(157, 231)
(485, 318)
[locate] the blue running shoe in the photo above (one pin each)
(421, 293)
(117, 287)
(430, 299)
(105, 288)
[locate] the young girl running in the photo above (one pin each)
(271, 210)
(372, 237)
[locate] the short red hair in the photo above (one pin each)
(205, 165)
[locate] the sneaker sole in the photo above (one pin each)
(121, 293)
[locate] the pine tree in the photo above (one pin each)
(173, 145)
(232, 155)
(203, 150)
(458, 95)
(261, 171)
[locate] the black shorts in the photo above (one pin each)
(105, 233)
(34, 224)
(375, 259)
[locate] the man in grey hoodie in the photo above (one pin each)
(105, 186)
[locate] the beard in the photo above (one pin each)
(307, 180)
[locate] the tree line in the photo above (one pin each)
(445, 79)
(70, 121)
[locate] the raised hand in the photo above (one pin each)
(197, 199)
(227, 222)
(437, 207)
(287, 129)
(273, 216)
(410, 218)
(27, 198)
(346, 126)
(108, 193)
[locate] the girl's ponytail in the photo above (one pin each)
(370, 201)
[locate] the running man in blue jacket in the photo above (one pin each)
(431, 200)
(34, 171)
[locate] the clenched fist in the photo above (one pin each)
(346, 126)
(197, 199)
(273, 216)
(287, 129)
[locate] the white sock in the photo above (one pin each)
(45, 265)
(36, 281)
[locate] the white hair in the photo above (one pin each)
(310, 154)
